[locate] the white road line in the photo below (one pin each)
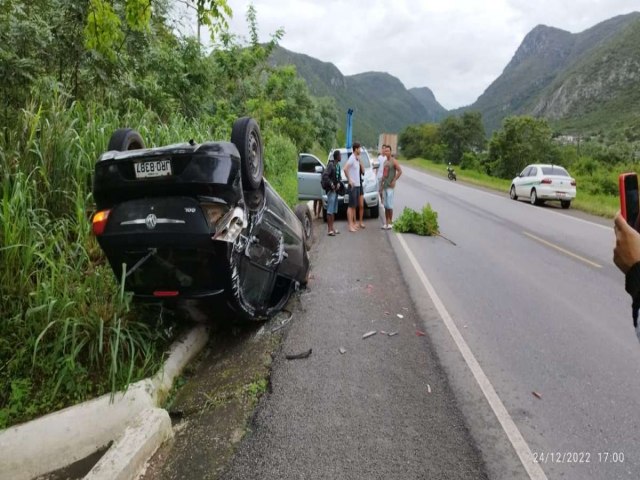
(506, 197)
(508, 425)
(560, 249)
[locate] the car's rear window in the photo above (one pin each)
(561, 172)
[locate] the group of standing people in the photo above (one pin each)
(388, 172)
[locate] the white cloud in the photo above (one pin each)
(456, 48)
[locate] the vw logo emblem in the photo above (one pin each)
(151, 221)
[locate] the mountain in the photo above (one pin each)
(380, 101)
(577, 81)
(428, 100)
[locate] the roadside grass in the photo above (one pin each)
(67, 331)
(597, 204)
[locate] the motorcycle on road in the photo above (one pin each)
(451, 173)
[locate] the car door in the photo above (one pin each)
(520, 180)
(310, 170)
(531, 180)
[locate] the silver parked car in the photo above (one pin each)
(540, 183)
(310, 170)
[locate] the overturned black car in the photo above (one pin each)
(197, 228)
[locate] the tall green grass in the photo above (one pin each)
(66, 332)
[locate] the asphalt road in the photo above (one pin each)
(381, 410)
(542, 307)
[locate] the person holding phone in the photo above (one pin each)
(626, 253)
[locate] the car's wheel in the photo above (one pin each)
(374, 212)
(124, 139)
(534, 197)
(304, 215)
(512, 193)
(565, 203)
(245, 135)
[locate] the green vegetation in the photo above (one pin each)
(73, 72)
(422, 223)
(525, 140)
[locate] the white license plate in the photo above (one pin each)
(154, 168)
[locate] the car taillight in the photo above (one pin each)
(546, 181)
(573, 182)
(100, 221)
(165, 293)
(213, 213)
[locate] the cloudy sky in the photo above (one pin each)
(454, 47)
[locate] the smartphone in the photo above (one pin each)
(628, 185)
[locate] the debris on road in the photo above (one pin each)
(387, 313)
(342, 351)
(369, 288)
(420, 333)
(283, 323)
(400, 315)
(369, 334)
(392, 334)
(297, 356)
(537, 395)
(428, 388)
(405, 308)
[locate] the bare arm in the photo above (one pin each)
(398, 173)
(398, 169)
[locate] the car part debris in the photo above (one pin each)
(298, 356)
(420, 333)
(428, 388)
(369, 334)
(392, 334)
(537, 395)
(400, 315)
(342, 351)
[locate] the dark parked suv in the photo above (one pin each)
(196, 227)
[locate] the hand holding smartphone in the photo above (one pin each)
(629, 206)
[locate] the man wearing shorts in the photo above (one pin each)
(352, 172)
(392, 172)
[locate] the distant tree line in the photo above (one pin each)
(522, 140)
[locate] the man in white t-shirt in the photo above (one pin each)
(381, 159)
(352, 172)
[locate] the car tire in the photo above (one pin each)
(374, 212)
(304, 215)
(124, 139)
(245, 135)
(512, 193)
(534, 197)
(565, 203)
